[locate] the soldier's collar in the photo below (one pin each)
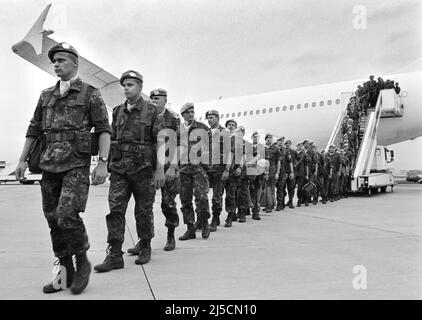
(76, 83)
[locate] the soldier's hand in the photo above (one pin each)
(99, 175)
(225, 175)
(170, 174)
(159, 179)
(330, 176)
(20, 170)
(238, 172)
(276, 176)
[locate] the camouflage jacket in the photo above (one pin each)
(285, 160)
(193, 144)
(219, 148)
(67, 121)
(134, 137)
(171, 122)
(271, 154)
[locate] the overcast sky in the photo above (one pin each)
(200, 50)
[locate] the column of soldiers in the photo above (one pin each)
(149, 147)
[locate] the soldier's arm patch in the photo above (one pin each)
(98, 112)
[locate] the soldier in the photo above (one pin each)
(323, 175)
(255, 173)
(271, 174)
(372, 90)
(172, 185)
(193, 172)
(285, 164)
(133, 143)
(238, 186)
(218, 174)
(333, 176)
(397, 88)
(231, 125)
(312, 173)
(291, 173)
(64, 116)
(345, 173)
(301, 172)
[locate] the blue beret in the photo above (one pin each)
(158, 92)
(62, 47)
(131, 74)
(212, 112)
(186, 107)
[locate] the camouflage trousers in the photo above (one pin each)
(290, 186)
(255, 189)
(281, 187)
(333, 188)
(300, 180)
(268, 193)
(64, 196)
(218, 184)
(236, 194)
(321, 189)
(196, 185)
(168, 202)
(141, 185)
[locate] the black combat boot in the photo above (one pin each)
(299, 203)
(136, 249)
(255, 215)
(290, 204)
(197, 225)
(205, 229)
(228, 223)
(83, 270)
(242, 217)
(234, 217)
(55, 285)
(189, 234)
(213, 226)
(145, 254)
(324, 200)
(113, 259)
(315, 201)
(171, 242)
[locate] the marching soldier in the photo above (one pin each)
(171, 187)
(65, 115)
(291, 173)
(285, 164)
(255, 174)
(133, 145)
(193, 172)
(219, 142)
(301, 173)
(231, 184)
(271, 175)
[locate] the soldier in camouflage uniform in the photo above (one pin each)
(193, 136)
(286, 165)
(255, 173)
(172, 186)
(291, 173)
(64, 116)
(333, 159)
(270, 175)
(302, 170)
(133, 147)
(218, 173)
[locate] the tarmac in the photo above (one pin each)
(357, 248)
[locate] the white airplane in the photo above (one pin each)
(298, 114)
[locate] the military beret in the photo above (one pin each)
(268, 135)
(186, 107)
(232, 121)
(158, 92)
(212, 112)
(61, 47)
(305, 141)
(131, 74)
(281, 138)
(288, 141)
(299, 144)
(332, 146)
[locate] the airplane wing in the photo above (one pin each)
(34, 48)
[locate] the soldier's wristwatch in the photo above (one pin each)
(102, 159)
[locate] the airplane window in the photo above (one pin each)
(284, 108)
(245, 113)
(270, 110)
(264, 111)
(329, 102)
(251, 113)
(257, 112)
(306, 105)
(337, 101)
(227, 115)
(298, 106)
(313, 104)
(321, 103)
(233, 115)
(292, 107)
(277, 109)
(239, 114)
